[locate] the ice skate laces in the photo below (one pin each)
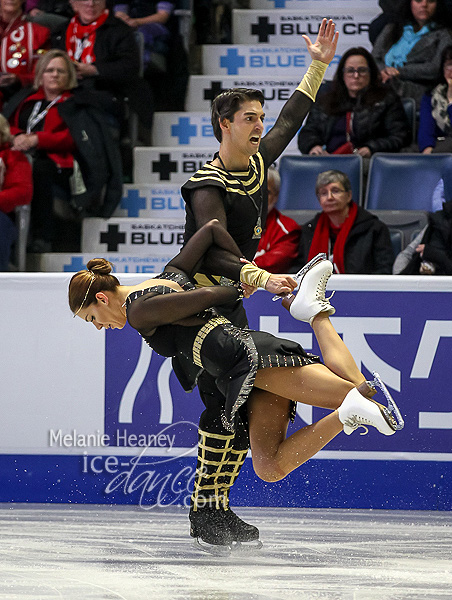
(302, 272)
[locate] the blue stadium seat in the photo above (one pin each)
(299, 174)
(406, 181)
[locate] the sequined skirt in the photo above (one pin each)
(233, 356)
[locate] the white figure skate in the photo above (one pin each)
(310, 299)
(357, 411)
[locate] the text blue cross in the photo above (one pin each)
(232, 61)
(133, 203)
(184, 130)
(76, 264)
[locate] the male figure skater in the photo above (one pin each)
(233, 189)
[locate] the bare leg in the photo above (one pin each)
(274, 456)
(314, 385)
(335, 353)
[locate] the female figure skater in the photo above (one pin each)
(254, 370)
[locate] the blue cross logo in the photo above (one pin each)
(184, 130)
(232, 61)
(76, 264)
(280, 3)
(133, 203)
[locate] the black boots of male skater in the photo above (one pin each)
(219, 463)
(220, 527)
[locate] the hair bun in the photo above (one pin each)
(99, 266)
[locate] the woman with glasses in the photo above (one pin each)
(356, 114)
(435, 129)
(408, 52)
(355, 240)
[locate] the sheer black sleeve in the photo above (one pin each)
(169, 306)
(287, 125)
(211, 235)
(151, 311)
(207, 204)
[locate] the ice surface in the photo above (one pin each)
(76, 552)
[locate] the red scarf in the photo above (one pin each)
(321, 238)
(80, 38)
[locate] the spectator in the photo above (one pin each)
(20, 46)
(355, 240)
(430, 253)
(41, 132)
(50, 13)
(106, 59)
(278, 246)
(408, 53)
(357, 113)
(150, 19)
(15, 189)
(435, 130)
(392, 11)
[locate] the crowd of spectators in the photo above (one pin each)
(73, 71)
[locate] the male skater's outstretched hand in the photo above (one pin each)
(324, 48)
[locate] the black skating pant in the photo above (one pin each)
(221, 453)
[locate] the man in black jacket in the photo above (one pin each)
(107, 59)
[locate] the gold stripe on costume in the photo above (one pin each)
(201, 336)
(206, 280)
(215, 436)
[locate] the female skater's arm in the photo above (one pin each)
(192, 254)
(163, 309)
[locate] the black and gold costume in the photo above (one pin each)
(213, 192)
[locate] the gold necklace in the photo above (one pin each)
(258, 226)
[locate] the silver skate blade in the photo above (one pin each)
(393, 409)
(212, 549)
(246, 547)
(302, 272)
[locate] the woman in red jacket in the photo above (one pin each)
(15, 189)
(41, 132)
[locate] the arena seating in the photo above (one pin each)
(299, 174)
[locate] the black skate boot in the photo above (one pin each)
(211, 530)
(242, 533)
(218, 466)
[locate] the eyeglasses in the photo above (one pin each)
(360, 71)
(336, 191)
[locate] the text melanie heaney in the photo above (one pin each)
(122, 438)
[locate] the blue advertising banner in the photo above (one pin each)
(404, 337)
(99, 417)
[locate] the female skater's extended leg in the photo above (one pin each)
(316, 385)
(274, 455)
(335, 353)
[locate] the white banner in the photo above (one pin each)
(123, 263)
(159, 201)
(286, 26)
(202, 89)
(323, 7)
(132, 236)
(260, 61)
(195, 129)
(168, 165)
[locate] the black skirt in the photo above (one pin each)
(233, 356)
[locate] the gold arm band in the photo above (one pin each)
(254, 276)
(310, 83)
